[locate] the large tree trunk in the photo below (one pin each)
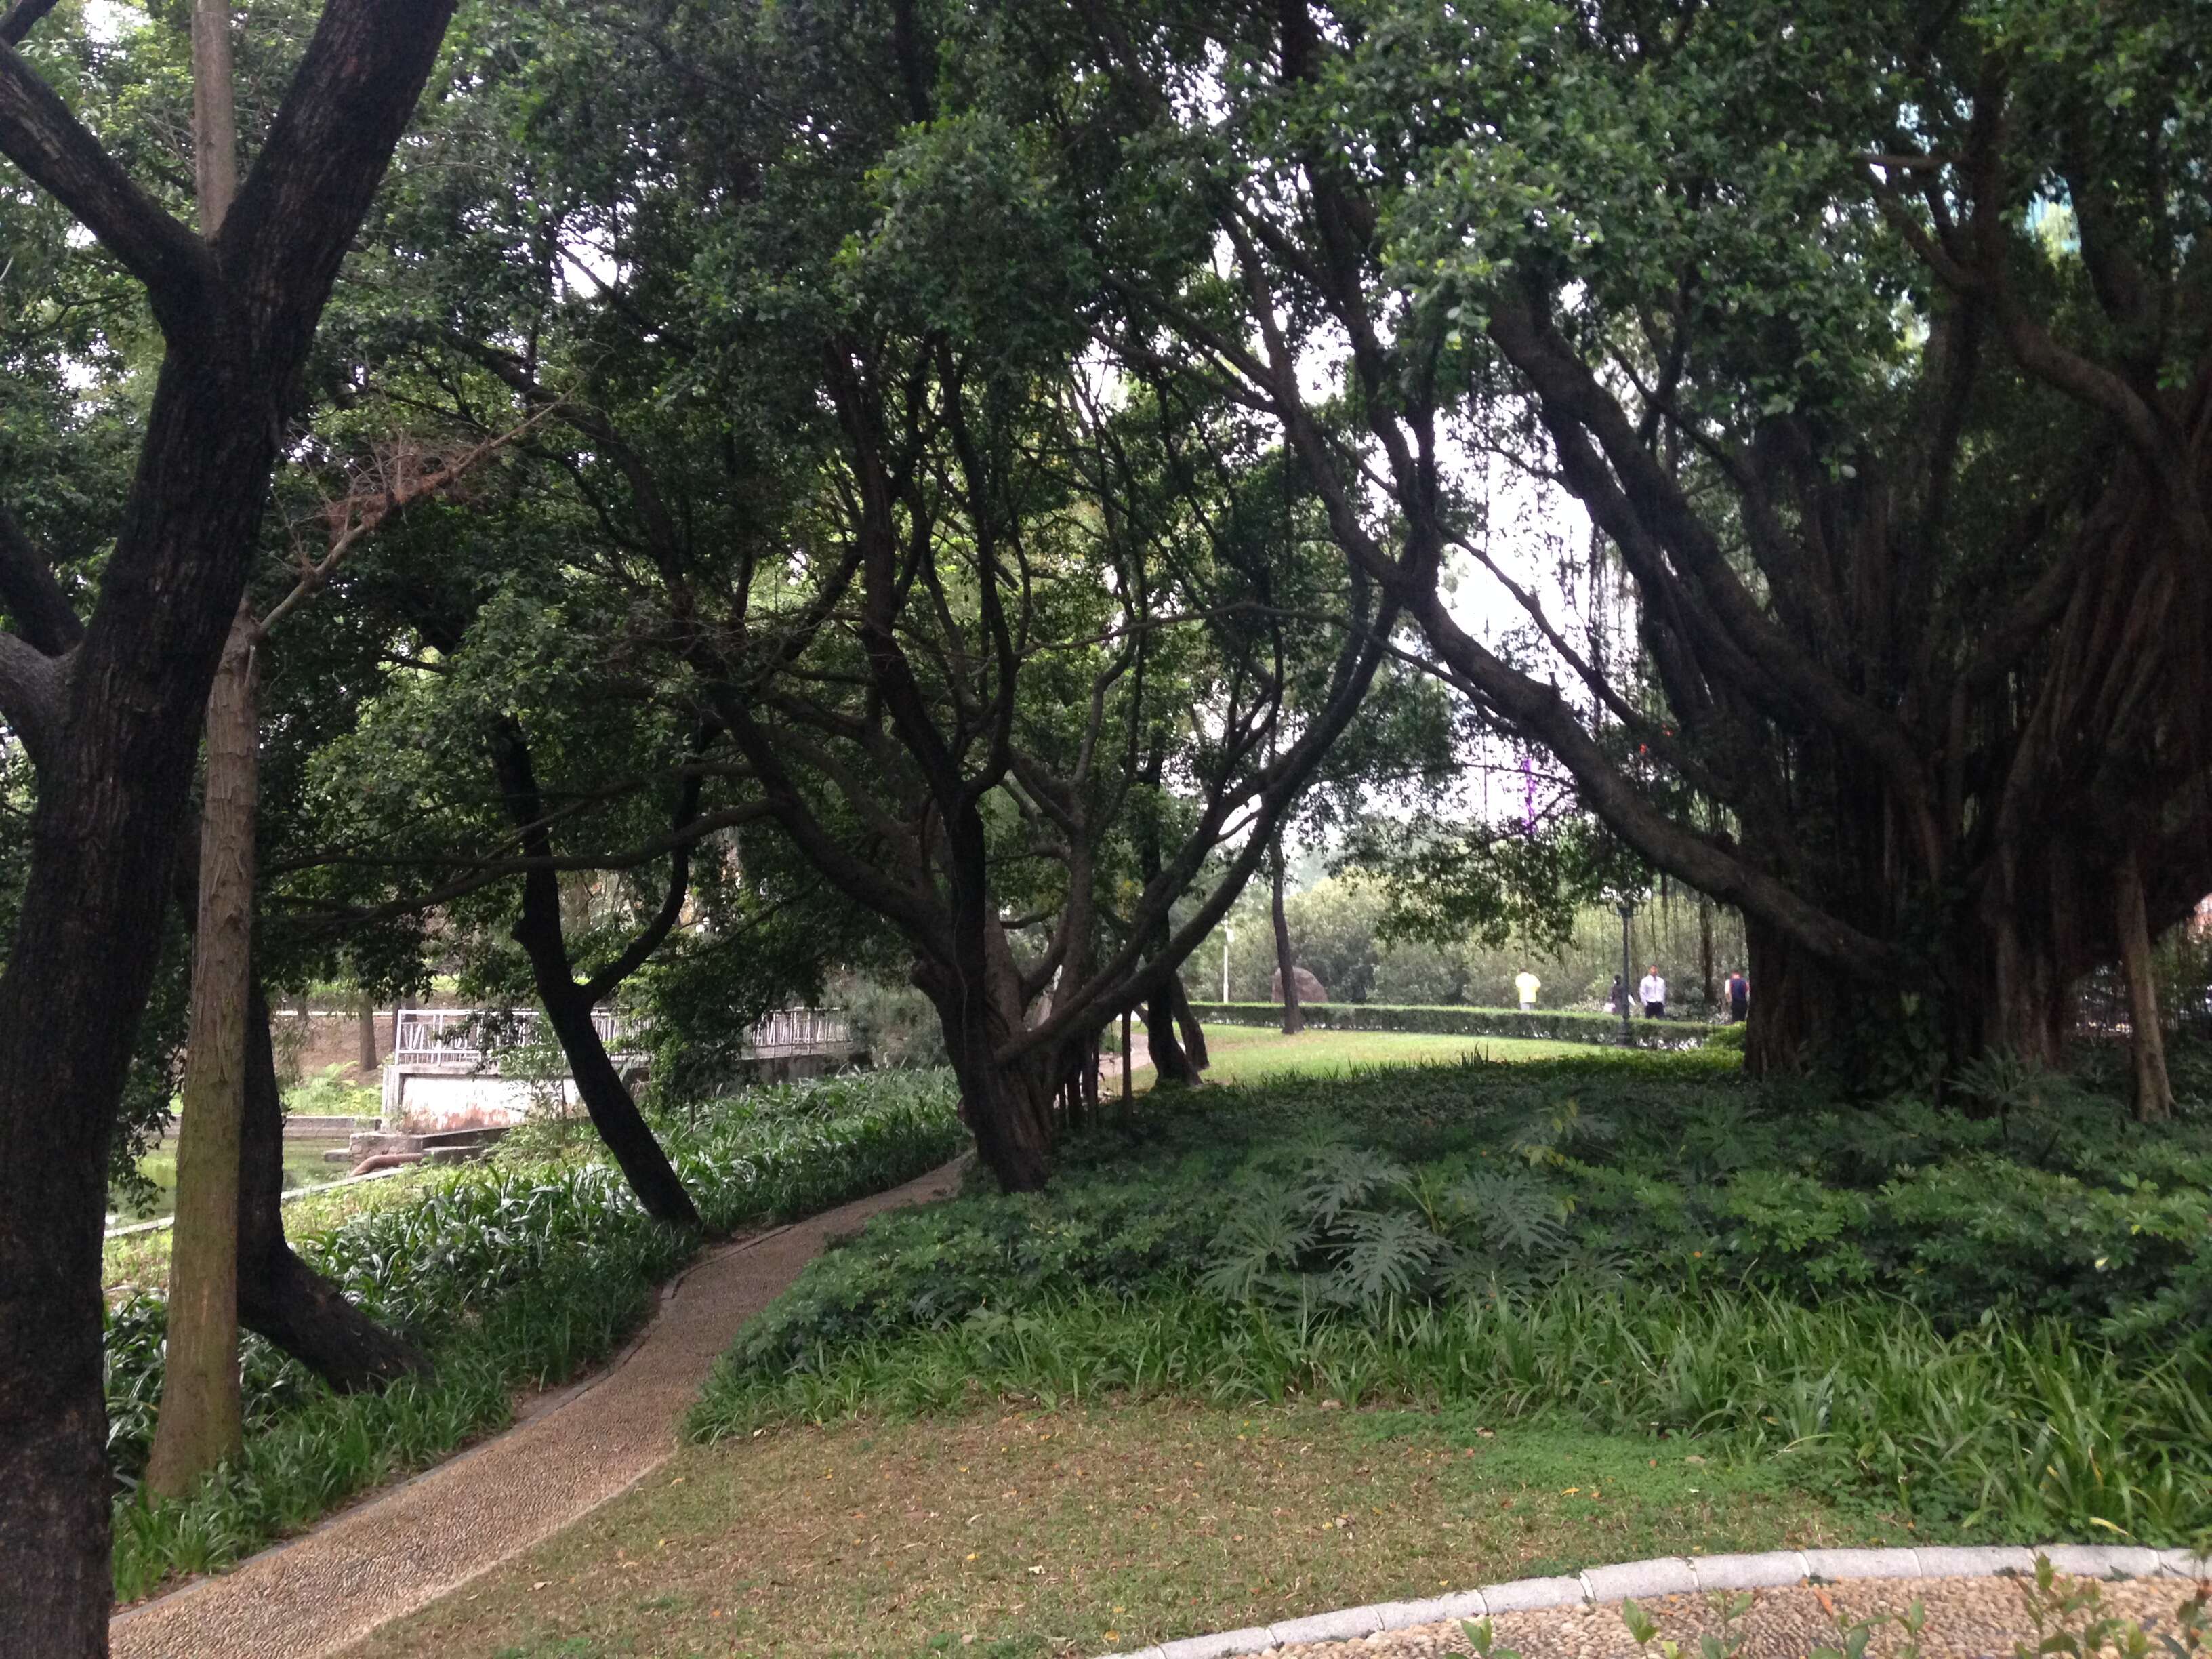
(279, 1295)
(1171, 1066)
(369, 1060)
(1787, 1016)
(2153, 1090)
(1194, 1034)
(112, 800)
(199, 1424)
(1705, 952)
(1294, 1019)
(1006, 1105)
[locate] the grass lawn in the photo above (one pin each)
(1071, 1532)
(1245, 1054)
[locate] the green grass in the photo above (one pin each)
(1989, 1432)
(1097, 1526)
(1247, 1054)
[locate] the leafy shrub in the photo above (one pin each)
(327, 1094)
(2001, 1325)
(1991, 1431)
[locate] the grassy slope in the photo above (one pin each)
(1093, 1528)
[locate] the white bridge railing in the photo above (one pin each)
(476, 1037)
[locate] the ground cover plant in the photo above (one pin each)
(514, 1274)
(1093, 1528)
(1998, 1323)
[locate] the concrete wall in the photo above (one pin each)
(423, 1102)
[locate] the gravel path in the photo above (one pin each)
(401, 1550)
(1964, 1617)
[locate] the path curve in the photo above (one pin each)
(436, 1531)
(1417, 1630)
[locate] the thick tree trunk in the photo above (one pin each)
(199, 1424)
(1786, 1019)
(1194, 1034)
(279, 1295)
(1705, 952)
(369, 1058)
(1294, 1019)
(2153, 1090)
(1172, 1067)
(112, 800)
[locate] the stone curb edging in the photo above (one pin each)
(1679, 1575)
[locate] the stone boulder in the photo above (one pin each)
(1310, 988)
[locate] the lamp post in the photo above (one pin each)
(1627, 907)
(1228, 937)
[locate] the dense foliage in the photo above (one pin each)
(515, 1275)
(1645, 1240)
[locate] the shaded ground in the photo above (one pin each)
(1088, 1528)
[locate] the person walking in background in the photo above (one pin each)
(1616, 999)
(1739, 994)
(1653, 990)
(1528, 985)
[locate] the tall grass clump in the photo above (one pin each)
(1989, 1430)
(517, 1274)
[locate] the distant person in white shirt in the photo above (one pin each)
(1653, 990)
(1528, 984)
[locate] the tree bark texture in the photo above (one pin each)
(568, 1006)
(279, 1296)
(199, 1423)
(1193, 1034)
(239, 318)
(1294, 1019)
(2153, 1088)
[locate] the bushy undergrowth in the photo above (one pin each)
(1993, 1430)
(2000, 1321)
(513, 1274)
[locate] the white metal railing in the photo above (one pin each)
(477, 1037)
(800, 1031)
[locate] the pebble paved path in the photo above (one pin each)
(406, 1548)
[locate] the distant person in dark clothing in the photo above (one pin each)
(1739, 990)
(1616, 999)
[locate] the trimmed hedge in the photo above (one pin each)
(1560, 1025)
